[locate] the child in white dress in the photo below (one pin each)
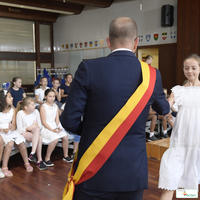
(52, 130)
(10, 135)
(180, 164)
(29, 125)
(39, 92)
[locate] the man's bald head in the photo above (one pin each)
(122, 31)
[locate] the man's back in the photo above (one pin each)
(107, 85)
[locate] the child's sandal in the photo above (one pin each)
(8, 173)
(28, 167)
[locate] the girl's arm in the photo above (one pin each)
(20, 124)
(37, 99)
(38, 118)
(171, 100)
(43, 119)
(62, 93)
(59, 94)
(24, 95)
(57, 117)
(13, 123)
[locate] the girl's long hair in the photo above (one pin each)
(3, 103)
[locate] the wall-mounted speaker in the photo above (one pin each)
(167, 15)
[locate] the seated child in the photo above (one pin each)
(29, 125)
(57, 90)
(52, 130)
(39, 92)
(9, 133)
(16, 91)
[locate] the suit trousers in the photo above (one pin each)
(85, 194)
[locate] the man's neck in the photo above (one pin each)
(121, 49)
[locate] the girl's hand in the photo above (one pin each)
(35, 124)
(30, 128)
(57, 130)
(11, 127)
(169, 116)
(6, 130)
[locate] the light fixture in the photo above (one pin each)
(36, 8)
(140, 4)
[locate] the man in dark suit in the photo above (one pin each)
(100, 89)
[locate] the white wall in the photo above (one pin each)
(92, 25)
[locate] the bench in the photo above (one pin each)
(156, 149)
(59, 144)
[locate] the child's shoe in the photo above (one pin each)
(1, 174)
(48, 163)
(72, 156)
(41, 165)
(68, 159)
(32, 158)
(164, 135)
(7, 173)
(28, 167)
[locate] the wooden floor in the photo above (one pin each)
(49, 184)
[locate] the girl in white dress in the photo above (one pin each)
(180, 164)
(52, 130)
(10, 135)
(29, 125)
(39, 92)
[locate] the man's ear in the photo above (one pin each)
(108, 42)
(135, 44)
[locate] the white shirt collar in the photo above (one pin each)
(122, 49)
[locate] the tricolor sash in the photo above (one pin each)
(109, 138)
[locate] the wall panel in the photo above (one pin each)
(188, 33)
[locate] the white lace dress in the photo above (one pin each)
(180, 164)
(47, 135)
(5, 119)
(24, 120)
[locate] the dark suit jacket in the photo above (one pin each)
(99, 90)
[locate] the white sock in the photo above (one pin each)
(151, 134)
(164, 131)
(32, 153)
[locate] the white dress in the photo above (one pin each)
(5, 119)
(180, 164)
(24, 121)
(47, 135)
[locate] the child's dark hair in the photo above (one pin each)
(3, 103)
(56, 79)
(25, 102)
(148, 57)
(39, 85)
(66, 75)
(14, 80)
(47, 92)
